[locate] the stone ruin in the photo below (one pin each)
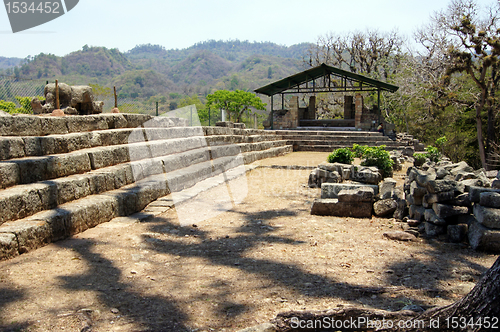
(73, 100)
(450, 201)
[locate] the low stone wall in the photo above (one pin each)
(456, 202)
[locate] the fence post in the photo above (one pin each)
(255, 121)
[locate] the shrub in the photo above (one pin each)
(359, 150)
(419, 158)
(433, 153)
(377, 156)
(342, 155)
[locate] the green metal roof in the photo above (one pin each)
(323, 70)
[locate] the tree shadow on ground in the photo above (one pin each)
(152, 313)
(428, 273)
(9, 295)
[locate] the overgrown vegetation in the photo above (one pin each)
(371, 156)
(25, 102)
(342, 155)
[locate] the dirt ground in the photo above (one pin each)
(238, 268)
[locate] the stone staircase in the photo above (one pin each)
(61, 176)
(328, 140)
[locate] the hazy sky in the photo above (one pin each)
(179, 24)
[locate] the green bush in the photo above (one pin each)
(342, 155)
(419, 158)
(379, 157)
(433, 153)
(359, 150)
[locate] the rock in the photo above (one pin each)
(331, 190)
(488, 217)
(8, 245)
(445, 211)
(483, 238)
(439, 197)
(3, 113)
(369, 175)
(363, 194)
(441, 173)
(459, 167)
(461, 200)
(417, 212)
(386, 188)
(460, 176)
(115, 110)
(400, 236)
(433, 230)
(495, 184)
(439, 186)
(490, 199)
(475, 193)
(385, 207)
(432, 217)
(416, 190)
(457, 233)
(413, 222)
(424, 177)
(492, 174)
(332, 207)
(319, 176)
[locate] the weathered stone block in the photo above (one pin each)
(433, 229)
(495, 184)
(461, 200)
(369, 175)
(483, 238)
(9, 174)
(417, 212)
(385, 207)
(439, 186)
(386, 187)
(332, 207)
(363, 194)
(400, 236)
(490, 199)
(439, 197)
(457, 233)
(68, 164)
(488, 217)
(30, 234)
(8, 246)
(475, 193)
(417, 191)
(459, 167)
(331, 190)
(445, 211)
(432, 217)
(11, 147)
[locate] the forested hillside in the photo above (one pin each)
(152, 71)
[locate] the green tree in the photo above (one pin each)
(473, 48)
(236, 103)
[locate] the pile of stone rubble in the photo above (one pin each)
(457, 201)
(447, 200)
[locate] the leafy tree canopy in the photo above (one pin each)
(236, 103)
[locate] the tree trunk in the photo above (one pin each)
(480, 139)
(477, 311)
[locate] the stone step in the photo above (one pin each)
(34, 169)
(23, 200)
(39, 229)
(326, 133)
(330, 148)
(18, 147)
(354, 138)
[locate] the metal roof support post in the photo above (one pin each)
(282, 101)
(272, 114)
(378, 106)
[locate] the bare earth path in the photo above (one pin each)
(234, 270)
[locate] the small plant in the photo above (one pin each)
(342, 155)
(433, 153)
(377, 156)
(359, 150)
(419, 158)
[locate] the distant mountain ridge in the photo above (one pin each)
(151, 70)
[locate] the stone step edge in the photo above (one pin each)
(31, 233)
(12, 147)
(22, 201)
(34, 169)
